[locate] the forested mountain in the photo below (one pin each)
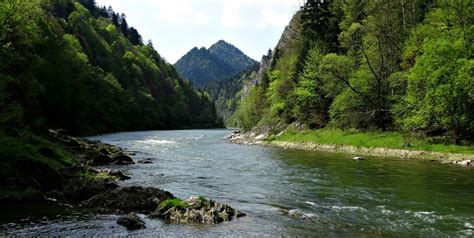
(227, 93)
(70, 64)
(222, 60)
(405, 66)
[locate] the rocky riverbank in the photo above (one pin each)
(263, 139)
(84, 186)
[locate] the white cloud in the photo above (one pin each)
(177, 26)
(257, 13)
(275, 18)
(180, 13)
(231, 16)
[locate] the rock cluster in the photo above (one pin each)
(466, 163)
(98, 189)
(196, 210)
(93, 152)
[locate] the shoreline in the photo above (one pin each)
(251, 138)
(89, 185)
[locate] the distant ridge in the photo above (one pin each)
(202, 66)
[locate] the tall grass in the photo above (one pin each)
(374, 139)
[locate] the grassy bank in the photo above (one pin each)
(372, 143)
(17, 151)
(28, 164)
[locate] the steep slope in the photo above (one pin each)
(355, 65)
(203, 66)
(69, 64)
(231, 56)
(262, 96)
(227, 93)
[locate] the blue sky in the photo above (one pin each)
(176, 26)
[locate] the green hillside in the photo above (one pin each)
(372, 66)
(72, 65)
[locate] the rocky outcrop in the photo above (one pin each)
(81, 189)
(92, 152)
(97, 190)
(131, 221)
(465, 163)
(137, 199)
(196, 210)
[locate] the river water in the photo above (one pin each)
(284, 193)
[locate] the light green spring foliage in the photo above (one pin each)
(68, 64)
(441, 83)
(251, 109)
(399, 65)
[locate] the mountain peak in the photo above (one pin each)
(220, 61)
(221, 43)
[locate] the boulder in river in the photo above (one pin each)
(129, 199)
(464, 162)
(358, 158)
(80, 189)
(131, 221)
(261, 137)
(196, 210)
(145, 161)
(122, 159)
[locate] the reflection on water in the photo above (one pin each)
(284, 193)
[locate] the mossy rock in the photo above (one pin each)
(127, 199)
(196, 210)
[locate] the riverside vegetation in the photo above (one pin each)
(60, 168)
(72, 65)
(394, 74)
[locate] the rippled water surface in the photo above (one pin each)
(284, 193)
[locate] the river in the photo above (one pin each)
(284, 193)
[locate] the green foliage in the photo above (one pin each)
(67, 64)
(172, 203)
(440, 87)
(96, 176)
(251, 109)
(311, 103)
(285, 71)
(403, 66)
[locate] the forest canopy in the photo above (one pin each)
(403, 65)
(73, 65)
